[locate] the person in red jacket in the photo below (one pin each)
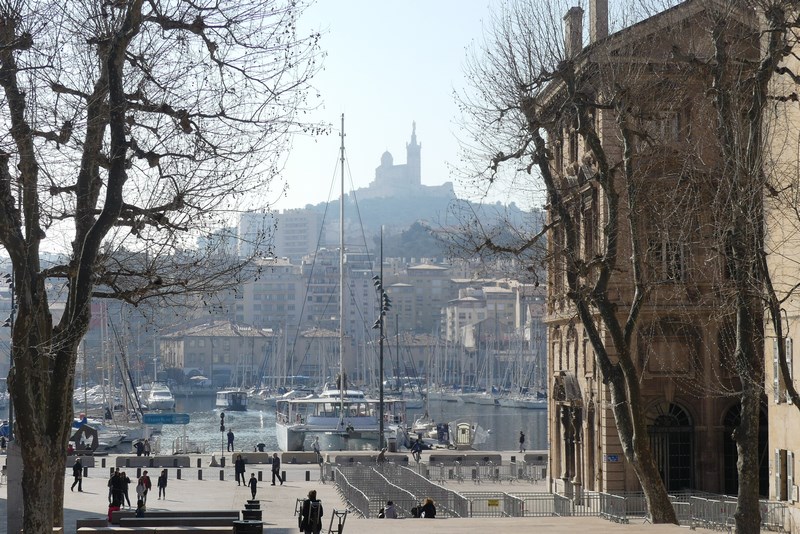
(143, 487)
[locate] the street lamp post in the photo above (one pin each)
(222, 436)
(380, 324)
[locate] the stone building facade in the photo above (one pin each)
(683, 343)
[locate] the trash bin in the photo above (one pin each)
(248, 527)
(392, 444)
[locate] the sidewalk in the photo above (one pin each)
(278, 504)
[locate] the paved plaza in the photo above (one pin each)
(278, 503)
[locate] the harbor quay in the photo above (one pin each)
(213, 487)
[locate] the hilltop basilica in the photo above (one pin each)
(397, 181)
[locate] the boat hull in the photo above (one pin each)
(232, 401)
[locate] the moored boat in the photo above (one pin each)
(232, 400)
(159, 397)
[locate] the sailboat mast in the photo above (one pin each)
(341, 279)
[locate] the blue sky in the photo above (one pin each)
(388, 63)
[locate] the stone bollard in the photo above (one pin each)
(178, 473)
(222, 474)
(308, 476)
(251, 515)
(259, 476)
(138, 472)
(103, 462)
(283, 475)
(222, 461)
(85, 472)
(199, 474)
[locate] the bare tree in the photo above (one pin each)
(130, 130)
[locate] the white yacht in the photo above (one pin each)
(159, 397)
(342, 420)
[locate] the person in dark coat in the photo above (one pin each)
(162, 484)
(238, 468)
(77, 473)
(124, 483)
(428, 510)
(253, 484)
(230, 440)
(310, 518)
(276, 468)
(521, 441)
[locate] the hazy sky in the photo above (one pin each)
(388, 63)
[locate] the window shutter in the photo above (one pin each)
(790, 364)
(777, 468)
(776, 372)
(790, 476)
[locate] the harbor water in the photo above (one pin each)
(257, 425)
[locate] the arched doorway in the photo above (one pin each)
(730, 455)
(671, 434)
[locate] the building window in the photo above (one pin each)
(666, 257)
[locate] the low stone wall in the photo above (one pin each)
(86, 461)
(153, 461)
(344, 457)
(470, 458)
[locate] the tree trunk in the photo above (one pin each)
(748, 513)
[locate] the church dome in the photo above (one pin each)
(387, 160)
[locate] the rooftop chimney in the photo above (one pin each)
(598, 20)
(573, 32)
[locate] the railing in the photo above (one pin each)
(494, 504)
(367, 488)
(354, 497)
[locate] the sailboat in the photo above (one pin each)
(342, 418)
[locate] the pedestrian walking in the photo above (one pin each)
(276, 468)
(230, 440)
(139, 446)
(253, 485)
(147, 447)
(77, 473)
(310, 519)
(162, 484)
(315, 448)
(238, 468)
(521, 441)
(416, 450)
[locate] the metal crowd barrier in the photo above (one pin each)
(494, 504)
(538, 504)
(773, 516)
(367, 488)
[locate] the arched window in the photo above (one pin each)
(672, 441)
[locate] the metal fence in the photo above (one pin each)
(367, 488)
(494, 504)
